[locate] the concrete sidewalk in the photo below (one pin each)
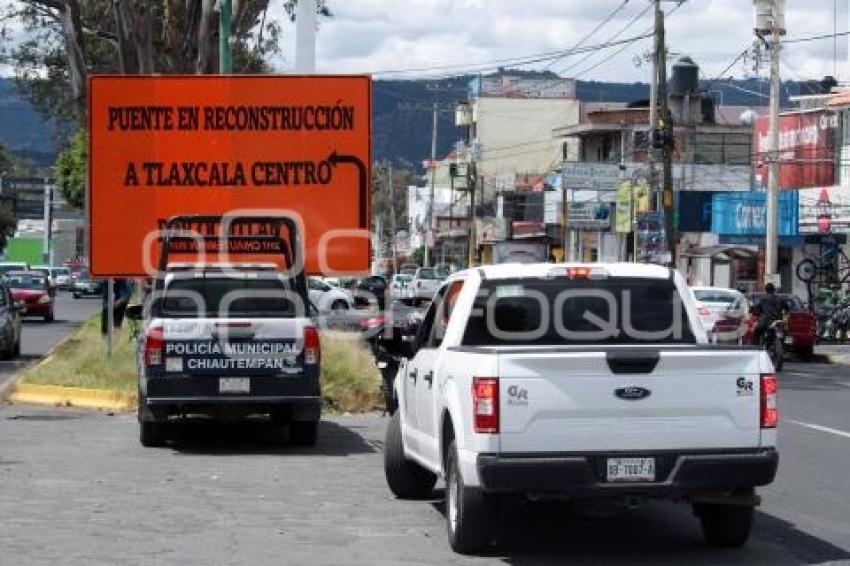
(833, 353)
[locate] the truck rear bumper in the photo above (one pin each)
(583, 475)
(269, 391)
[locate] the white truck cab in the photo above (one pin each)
(579, 381)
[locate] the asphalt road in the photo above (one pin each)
(38, 337)
(77, 488)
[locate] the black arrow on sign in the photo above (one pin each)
(336, 159)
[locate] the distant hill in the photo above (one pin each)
(401, 114)
(22, 129)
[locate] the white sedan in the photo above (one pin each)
(723, 312)
(328, 298)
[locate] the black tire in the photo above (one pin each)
(303, 433)
(468, 511)
(7, 353)
(780, 355)
(152, 434)
(807, 353)
(76, 295)
(48, 317)
(406, 479)
(339, 305)
(806, 270)
(725, 526)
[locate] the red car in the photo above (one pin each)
(801, 331)
(32, 290)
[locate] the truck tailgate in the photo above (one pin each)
(621, 399)
(232, 347)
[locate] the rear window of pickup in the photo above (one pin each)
(224, 297)
(561, 311)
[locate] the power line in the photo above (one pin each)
(612, 38)
(466, 68)
(608, 59)
(604, 21)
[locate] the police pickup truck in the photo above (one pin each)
(228, 339)
(592, 383)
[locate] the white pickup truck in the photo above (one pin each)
(589, 382)
(228, 339)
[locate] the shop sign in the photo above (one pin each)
(745, 214)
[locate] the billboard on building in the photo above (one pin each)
(693, 211)
(825, 210)
(745, 214)
(807, 144)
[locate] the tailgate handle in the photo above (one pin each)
(630, 362)
(232, 335)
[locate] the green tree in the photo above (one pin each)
(53, 45)
(71, 170)
(5, 160)
(8, 224)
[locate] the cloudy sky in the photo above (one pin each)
(371, 36)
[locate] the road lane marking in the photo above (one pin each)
(822, 428)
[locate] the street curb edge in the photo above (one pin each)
(56, 395)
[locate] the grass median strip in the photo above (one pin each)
(350, 380)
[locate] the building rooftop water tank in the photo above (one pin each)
(685, 77)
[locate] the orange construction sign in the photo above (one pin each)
(163, 146)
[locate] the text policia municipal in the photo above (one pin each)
(230, 118)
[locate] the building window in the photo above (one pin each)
(722, 148)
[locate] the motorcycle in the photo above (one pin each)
(772, 339)
(390, 336)
(773, 342)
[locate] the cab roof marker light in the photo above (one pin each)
(598, 273)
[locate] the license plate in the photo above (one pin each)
(174, 364)
(789, 339)
(631, 469)
(234, 385)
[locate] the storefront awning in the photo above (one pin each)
(722, 253)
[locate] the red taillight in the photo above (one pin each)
(154, 341)
(372, 323)
(769, 410)
(485, 404)
(312, 346)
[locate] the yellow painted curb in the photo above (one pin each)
(56, 395)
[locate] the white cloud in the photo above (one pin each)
(368, 36)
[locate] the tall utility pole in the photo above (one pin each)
(225, 52)
(657, 49)
(391, 192)
(772, 233)
(305, 37)
(665, 127)
(430, 215)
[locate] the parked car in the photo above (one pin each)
(61, 277)
(332, 281)
(583, 382)
(33, 291)
(7, 266)
(398, 285)
(425, 282)
(370, 290)
(723, 312)
(10, 325)
(328, 298)
(85, 286)
(800, 328)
